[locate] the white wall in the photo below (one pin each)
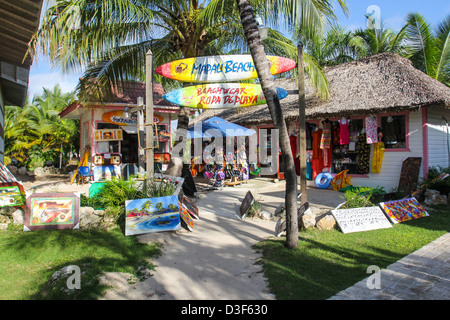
(438, 137)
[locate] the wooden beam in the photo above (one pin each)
(302, 124)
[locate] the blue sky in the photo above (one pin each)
(393, 13)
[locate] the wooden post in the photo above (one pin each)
(140, 121)
(302, 124)
(149, 112)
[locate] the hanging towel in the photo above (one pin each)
(344, 132)
(325, 141)
(371, 129)
(377, 157)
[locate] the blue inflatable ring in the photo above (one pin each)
(323, 180)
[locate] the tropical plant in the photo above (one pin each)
(113, 37)
(332, 48)
(35, 133)
(309, 14)
(371, 41)
(428, 49)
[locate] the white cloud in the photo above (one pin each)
(49, 80)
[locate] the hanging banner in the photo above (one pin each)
(221, 96)
(220, 68)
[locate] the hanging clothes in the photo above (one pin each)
(325, 142)
(293, 139)
(335, 134)
(344, 134)
(377, 157)
(317, 156)
(363, 157)
(371, 124)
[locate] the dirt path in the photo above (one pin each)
(214, 262)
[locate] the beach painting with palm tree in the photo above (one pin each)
(152, 215)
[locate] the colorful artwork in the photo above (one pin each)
(52, 211)
(220, 68)
(186, 217)
(152, 215)
(11, 194)
(341, 181)
(221, 96)
(403, 210)
(360, 219)
(105, 172)
(108, 135)
(192, 208)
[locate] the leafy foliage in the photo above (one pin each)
(36, 133)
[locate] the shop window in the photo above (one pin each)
(350, 156)
(393, 129)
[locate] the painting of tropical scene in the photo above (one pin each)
(152, 215)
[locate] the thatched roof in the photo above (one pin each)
(377, 84)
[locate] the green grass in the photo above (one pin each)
(327, 262)
(29, 259)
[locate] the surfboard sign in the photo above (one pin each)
(221, 96)
(220, 68)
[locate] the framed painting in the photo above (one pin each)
(186, 218)
(403, 210)
(192, 208)
(152, 215)
(12, 194)
(52, 211)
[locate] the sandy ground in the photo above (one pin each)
(216, 261)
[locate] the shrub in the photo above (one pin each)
(112, 196)
(362, 197)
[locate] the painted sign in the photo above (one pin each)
(361, 219)
(116, 117)
(52, 211)
(152, 215)
(221, 96)
(403, 210)
(108, 135)
(220, 68)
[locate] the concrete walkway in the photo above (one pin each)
(422, 275)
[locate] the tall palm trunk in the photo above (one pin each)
(268, 86)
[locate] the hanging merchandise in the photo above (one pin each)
(317, 156)
(344, 132)
(362, 159)
(335, 131)
(371, 129)
(377, 157)
(325, 141)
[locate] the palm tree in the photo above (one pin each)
(371, 41)
(146, 206)
(428, 49)
(37, 128)
(311, 17)
(112, 37)
(332, 48)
